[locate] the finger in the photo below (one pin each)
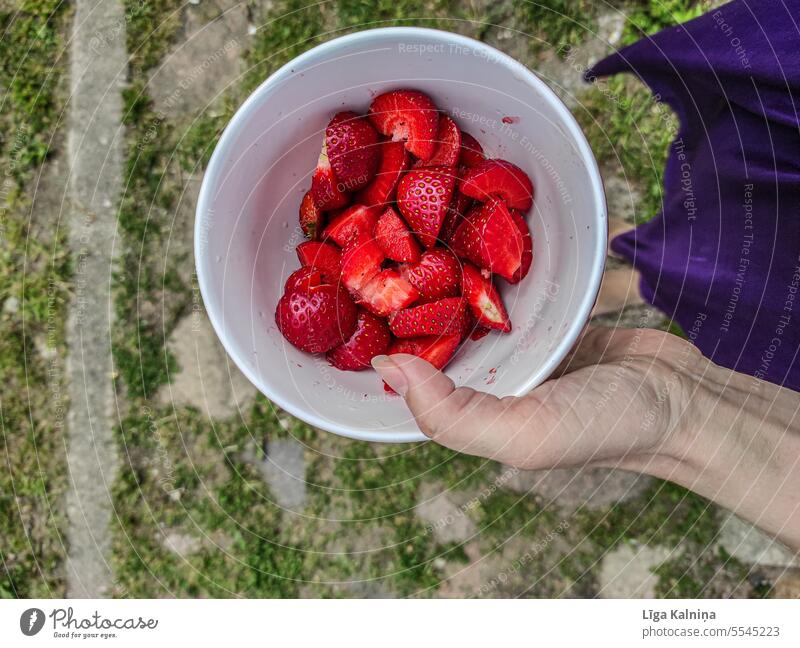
(458, 418)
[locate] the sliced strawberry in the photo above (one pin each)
(478, 333)
(305, 277)
(527, 247)
(490, 239)
(324, 186)
(352, 146)
(459, 206)
(471, 153)
(316, 318)
(322, 256)
(395, 161)
(407, 115)
(423, 196)
(311, 217)
(436, 349)
(436, 276)
(501, 179)
(370, 338)
(448, 144)
(353, 222)
(443, 317)
(395, 239)
(484, 300)
(361, 261)
(387, 292)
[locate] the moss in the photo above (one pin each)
(646, 18)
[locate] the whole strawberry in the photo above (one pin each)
(316, 318)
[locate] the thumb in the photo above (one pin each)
(459, 418)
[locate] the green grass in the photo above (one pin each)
(34, 284)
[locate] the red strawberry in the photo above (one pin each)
(443, 317)
(316, 318)
(395, 161)
(396, 241)
(484, 300)
(371, 338)
(407, 115)
(361, 261)
(435, 349)
(527, 247)
(478, 333)
(448, 144)
(322, 256)
(353, 222)
(311, 217)
(501, 179)
(459, 206)
(352, 146)
(324, 186)
(436, 276)
(490, 239)
(423, 196)
(471, 153)
(387, 292)
(305, 277)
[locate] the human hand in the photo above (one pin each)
(616, 400)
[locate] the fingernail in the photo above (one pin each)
(391, 373)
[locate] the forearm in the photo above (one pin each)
(738, 444)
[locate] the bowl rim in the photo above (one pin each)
(328, 48)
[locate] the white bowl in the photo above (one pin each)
(246, 225)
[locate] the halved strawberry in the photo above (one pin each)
(311, 217)
(353, 222)
(325, 187)
(471, 153)
(423, 196)
(501, 179)
(407, 115)
(527, 247)
(395, 161)
(443, 317)
(316, 318)
(352, 146)
(459, 206)
(484, 300)
(395, 239)
(448, 144)
(436, 276)
(370, 338)
(436, 349)
(322, 256)
(306, 277)
(490, 239)
(387, 292)
(361, 261)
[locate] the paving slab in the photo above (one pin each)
(284, 470)
(445, 518)
(745, 542)
(627, 571)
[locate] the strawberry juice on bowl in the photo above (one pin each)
(247, 230)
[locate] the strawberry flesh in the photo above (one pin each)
(370, 338)
(407, 115)
(501, 179)
(353, 222)
(459, 206)
(484, 300)
(527, 247)
(436, 276)
(395, 239)
(352, 146)
(311, 217)
(395, 160)
(471, 153)
(322, 256)
(436, 349)
(443, 317)
(361, 261)
(423, 197)
(448, 144)
(387, 292)
(325, 188)
(316, 318)
(490, 239)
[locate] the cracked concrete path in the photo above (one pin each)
(98, 63)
